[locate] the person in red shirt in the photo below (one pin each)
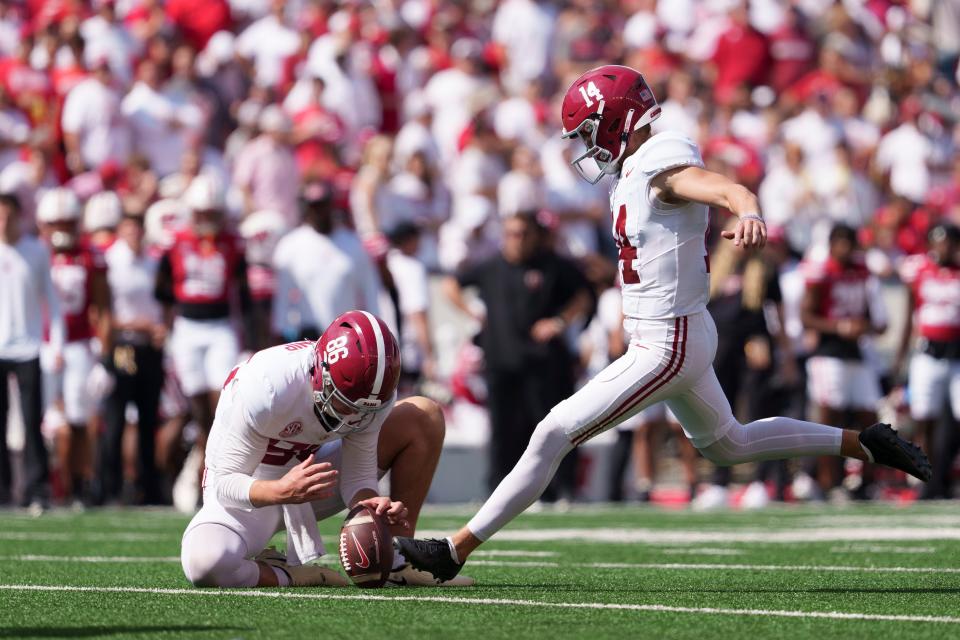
(842, 304)
(933, 316)
(317, 132)
(198, 20)
(791, 52)
(79, 278)
(742, 56)
(899, 227)
(201, 274)
(29, 88)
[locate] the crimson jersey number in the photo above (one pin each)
(280, 452)
(628, 252)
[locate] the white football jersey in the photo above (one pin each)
(265, 425)
(664, 269)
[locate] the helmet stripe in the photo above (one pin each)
(381, 357)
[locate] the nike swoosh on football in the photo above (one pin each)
(364, 562)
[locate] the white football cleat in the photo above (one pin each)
(304, 575)
(407, 576)
(755, 497)
(711, 498)
(803, 487)
(186, 488)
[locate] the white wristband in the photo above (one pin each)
(753, 216)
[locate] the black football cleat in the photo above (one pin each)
(430, 555)
(888, 448)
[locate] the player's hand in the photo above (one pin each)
(546, 329)
(395, 511)
(307, 482)
(158, 335)
(852, 328)
(749, 233)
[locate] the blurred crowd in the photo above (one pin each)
(385, 153)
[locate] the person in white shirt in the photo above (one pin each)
(321, 270)
(162, 126)
(267, 43)
(94, 130)
(302, 430)
(266, 169)
(415, 135)
(104, 32)
(14, 130)
(136, 361)
(681, 110)
(524, 28)
(26, 294)
(26, 179)
(413, 293)
(521, 188)
(905, 155)
(452, 92)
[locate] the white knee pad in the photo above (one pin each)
(213, 555)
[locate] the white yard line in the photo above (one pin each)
(93, 559)
(698, 566)
(703, 551)
(690, 536)
(879, 548)
(866, 520)
(286, 594)
(492, 553)
(712, 566)
(87, 536)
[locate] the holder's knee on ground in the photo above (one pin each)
(215, 556)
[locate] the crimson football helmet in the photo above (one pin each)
(356, 371)
(602, 107)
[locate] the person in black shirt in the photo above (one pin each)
(531, 295)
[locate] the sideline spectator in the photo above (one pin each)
(531, 295)
(321, 269)
(26, 294)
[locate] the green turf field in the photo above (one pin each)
(791, 572)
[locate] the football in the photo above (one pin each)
(366, 548)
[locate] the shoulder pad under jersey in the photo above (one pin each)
(668, 150)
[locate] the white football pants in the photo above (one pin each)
(220, 542)
(667, 360)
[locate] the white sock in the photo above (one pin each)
(283, 578)
(867, 451)
(398, 560)
(453, 551)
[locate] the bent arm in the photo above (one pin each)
(906, 335)
(359, 466)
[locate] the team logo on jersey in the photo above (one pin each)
(533, 279)
(291, 430)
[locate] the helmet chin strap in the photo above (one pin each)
(624, 139)
(613, 166)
